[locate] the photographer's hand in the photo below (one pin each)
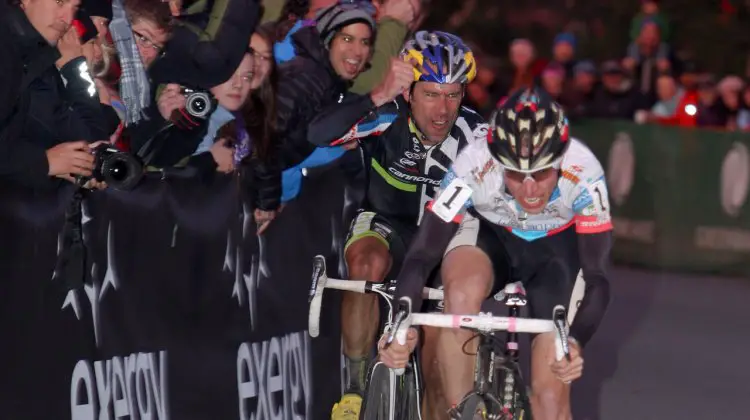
(170, 100)
(70, 158)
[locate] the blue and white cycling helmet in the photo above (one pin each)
(439, 57)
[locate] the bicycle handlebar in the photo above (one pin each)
(321, 281)
(488, 323)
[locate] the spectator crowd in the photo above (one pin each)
(648, 84)
(173, 83)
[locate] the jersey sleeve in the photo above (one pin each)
(591, 202)
(353, 119)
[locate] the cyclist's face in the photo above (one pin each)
(532, 191)
(434, 107)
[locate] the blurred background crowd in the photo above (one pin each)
(189, 83)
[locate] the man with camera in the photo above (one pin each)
(50, 111)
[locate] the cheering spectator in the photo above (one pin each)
(646, 58)
(395, 18)
(563, 52)
(669, 94)
(523, 60)
(710, 110)
(553, 77)
(579, 93)
(676, 106)
(730, 89)
(617, 98)
(649, 11)
(329, 56)
(34, 97)
(261, 44)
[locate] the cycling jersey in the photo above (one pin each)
(475, 185)
(579, 198)
(403, 173)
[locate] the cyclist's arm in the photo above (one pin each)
(354, 118)
(424, 255)
(594, 228)
(440, 222)
(594, 250)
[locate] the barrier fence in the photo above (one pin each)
(186, 314)
(678, 195)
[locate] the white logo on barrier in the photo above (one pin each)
(621, 168)
(96, 290)
(246, 281)
(274, 379)
(735, 179)
(132, 387)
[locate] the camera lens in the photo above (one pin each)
(198, 104)
(118, 171)
(121, 171)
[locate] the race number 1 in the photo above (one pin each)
(598, 191)
(451, 200)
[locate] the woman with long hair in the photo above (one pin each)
(259, 115)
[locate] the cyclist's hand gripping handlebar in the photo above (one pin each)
(401, 325)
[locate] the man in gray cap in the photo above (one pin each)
(330, 55)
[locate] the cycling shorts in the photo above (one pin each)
(547, 267)
(394, 234)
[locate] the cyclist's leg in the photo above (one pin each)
(552, 265)
(468, 276)
(368, 258)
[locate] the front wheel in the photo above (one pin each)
(379, 401)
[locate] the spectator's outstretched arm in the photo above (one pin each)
(365, 115)
(348, 121)
(390, 40)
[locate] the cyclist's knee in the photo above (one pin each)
(551, 401)
(467, 280)
(465, 298)
(368, 259)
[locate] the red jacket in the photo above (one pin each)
(686, 114)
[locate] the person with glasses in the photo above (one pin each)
(409, 129)
(526, 203)
(151, 23)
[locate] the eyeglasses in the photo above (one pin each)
(538, 176)
(144, 41)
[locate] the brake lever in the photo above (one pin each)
(560, 321)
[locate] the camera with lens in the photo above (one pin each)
(198, 104)
(118, 169)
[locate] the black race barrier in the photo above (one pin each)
(184, 313)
